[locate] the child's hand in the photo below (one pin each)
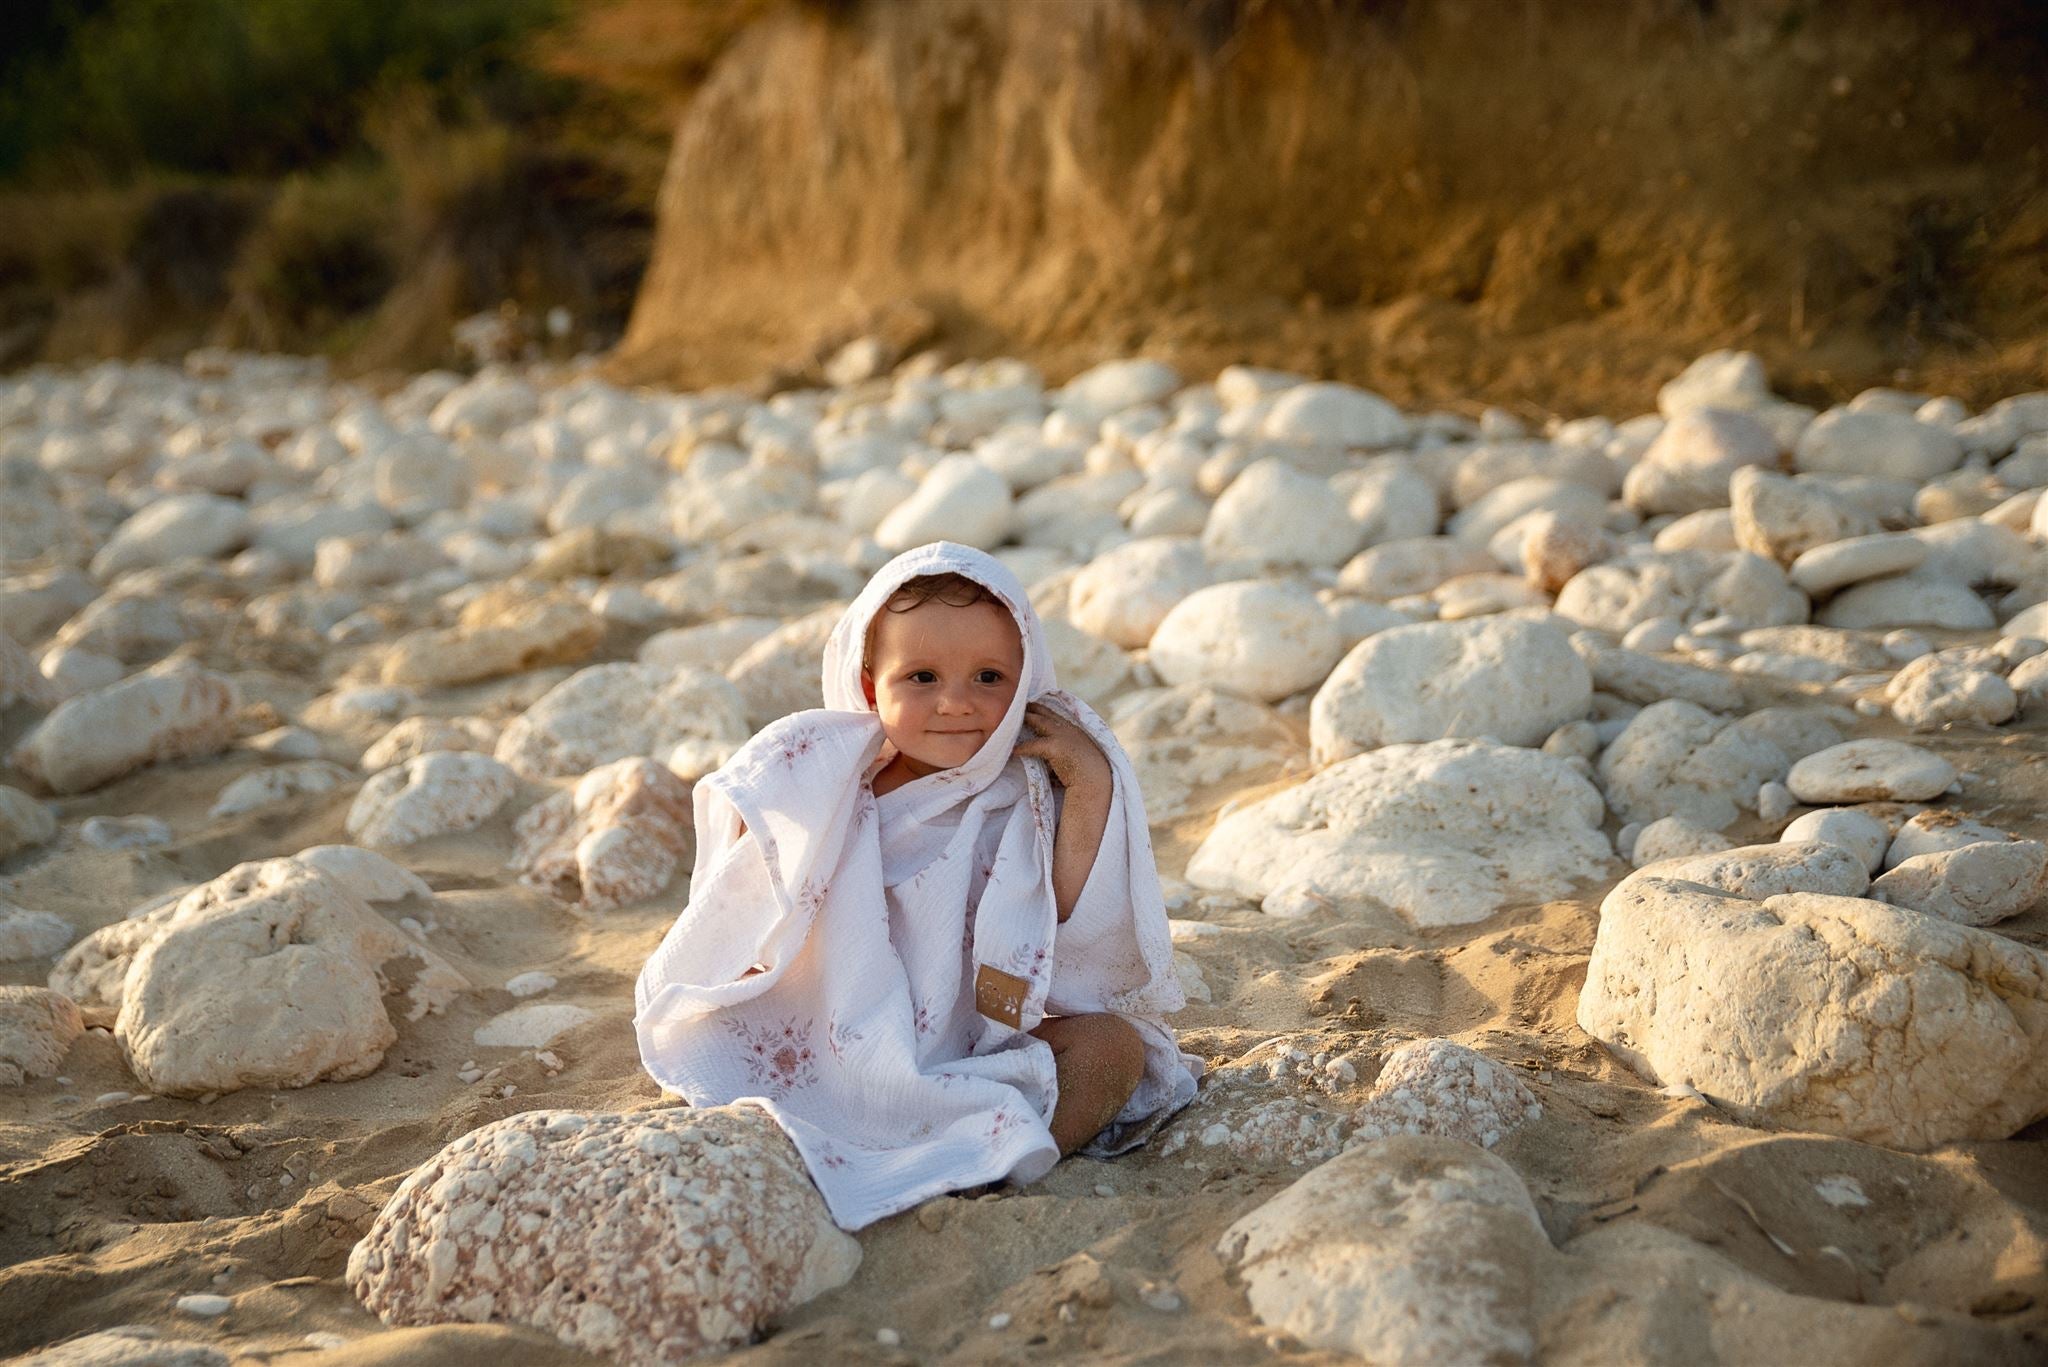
(1076, 761)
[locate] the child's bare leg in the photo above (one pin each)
(1100, 1059)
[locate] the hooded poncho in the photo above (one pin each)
(871, 918)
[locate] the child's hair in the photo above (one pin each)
(954, 590)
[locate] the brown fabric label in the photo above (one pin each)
(999, 995)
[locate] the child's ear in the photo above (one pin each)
(867, 686)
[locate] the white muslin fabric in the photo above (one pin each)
(870, 917)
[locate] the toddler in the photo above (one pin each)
(930, 945)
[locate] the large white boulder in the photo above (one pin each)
(1760, 871)
(37, 1027)
(1951, 686)
(618, 836)
(1124, 594)
(1114, 386)
(1870, 770)
(505, 630)
(1438, 1087)
(1719, 379)
(1887, 445)
(1827, 1013)
(270, 975)
(1687, 466)
(1915, 599)
(1409, 1251)
(1782, 518)
(1687, 585)
(24, 822)
(1822, 569)
(612, 711)
(1975, 885)
(1515, 681)
(1264, 640)
(197, 526)
(1445, 833)
(1276, 515)
(1411, 564)
(97, 737)
(1328, 414)
(780, 673)
(1678, 759)
(431, 794)
(644, 1238)
(960, 499)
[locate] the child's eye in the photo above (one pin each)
(923, 676)
(991, 676)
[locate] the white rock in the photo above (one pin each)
(1907, 600)
(614, 711)
(1870, 770)
(428, 795)
(1719, 379)
(123, 833)
(1410, 564)
(1939, 690)
(716, 1197)
(779, 674)
(1760, 871)
(262, 788)
(93, 739)
(28, 934)
(1677, 759)
(37, 1027)
(531, 1027)
(1514, 681)
(1412, 1250)
(1484, 519)
(617, 837)
(1687, 467)
(1934, 830)
(1445, 833)
(1275, 515)
(2029, 680)
(530, 984)
(1125, 593)
(270, 975)
(1888, 445)
(129, 1345)
(1672, 838)
(1825, 1013)
(1824, 569)
(1262, 640)
(24, 822)
(1436, 1087)
(1641, 678)
(1389, 498)
(1688, 585)
(201, 526)
(419, 474)
(365, 873)
(1974, 885)
(1326, 414)
(205, 1305)
(416, 736)
(959, 500)
(1114, 386)
(1711, 529)
(1783, 518)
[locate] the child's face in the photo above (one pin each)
(941, 677)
